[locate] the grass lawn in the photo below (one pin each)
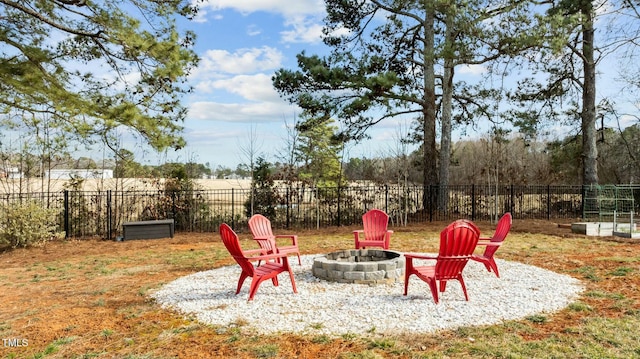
(89, 299)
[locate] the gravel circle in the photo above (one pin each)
(328, 308)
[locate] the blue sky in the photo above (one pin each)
(233, 107)
(241, 44)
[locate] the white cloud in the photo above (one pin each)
(251, 87)
(472, 70)
(303, 16)
(201, 17)
(255, 112)
(305, 29)
(253, 30)
(209, 135)
(627, 120)
(215, 63)
(229, 90)
(285, 7)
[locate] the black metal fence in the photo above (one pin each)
(101, 213)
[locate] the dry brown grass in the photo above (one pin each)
(88, 298)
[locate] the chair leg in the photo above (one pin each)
(243, 276)
(408, 270)
(255, 283)
(254, 288)
(293, 281)
(406, 283)
(433, 285)
(443, 286)
(490, 264)
(494, 267)
(486, 265)
(464, 288)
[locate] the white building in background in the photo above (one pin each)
(10, 172)
(66, 174)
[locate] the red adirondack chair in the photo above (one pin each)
(269, 270)
(262, 233)
(492, 244)
(375, 232)
(457, 242)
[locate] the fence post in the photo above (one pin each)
(430, 203)
(233, 209)
(417, 192)
(512, 205)
(548, 202)
(317, 206)
(174, 209)
(109, 214)
(339, 207)
(583, 193)
(473, 202)
(66, 214)
(386, 198)
(288, 206)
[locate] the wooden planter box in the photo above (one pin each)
(163, 228)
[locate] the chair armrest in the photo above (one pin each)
(261, 241)
(490, 244)
(250, 254)
(418, 256)
(266, 257)
(293, 237)
(253, 251)
(288, 249)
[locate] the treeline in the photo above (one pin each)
(491, 159)
(558, 162)
(514, 160)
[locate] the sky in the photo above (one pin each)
(242, 43)
(234, 109)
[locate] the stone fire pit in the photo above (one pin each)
(361, 266)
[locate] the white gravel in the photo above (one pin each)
(329, 308)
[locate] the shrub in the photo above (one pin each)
(264, 196)
(27, 224)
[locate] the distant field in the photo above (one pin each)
(132, 184)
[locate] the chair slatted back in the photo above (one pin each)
(375, 224)
(260, 227)
(502, 229)
(232, 243)
(457, 243)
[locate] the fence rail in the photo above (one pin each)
(101, 213)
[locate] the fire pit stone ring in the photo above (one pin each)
(360, 266)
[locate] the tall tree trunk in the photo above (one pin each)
(445, 136)
(447, 103)
(430, 155)
(589, 149)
